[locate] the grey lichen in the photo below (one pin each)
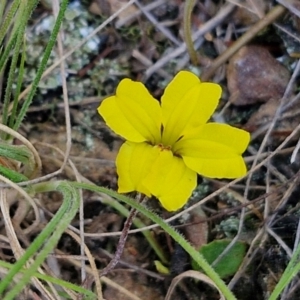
(78, 25)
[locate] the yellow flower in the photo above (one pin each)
(170, 141)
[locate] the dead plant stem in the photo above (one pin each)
(188, 9)
(243, 40)
(121, 243)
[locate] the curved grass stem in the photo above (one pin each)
(187, 16)
(198, 258)
(44, 243)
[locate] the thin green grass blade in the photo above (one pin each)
(12, 175)
(7, 50)
(55, 280)
(2, 8)
(13, 65)
(44, 242)
(43, 64)
(18, 153)
(288, 275)
(18, 88)
(8, 18)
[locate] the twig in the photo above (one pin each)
(212, 23)
(149, 7)
(288, 5)
(80, 44)
(159, 26)
(244, 39)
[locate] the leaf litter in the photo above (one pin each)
(256, 92)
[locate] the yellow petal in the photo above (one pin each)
(133, 113)
(215, 151)
(176, 90)
(170, 180)
(133, 163)
(187, 103)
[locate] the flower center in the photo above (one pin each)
(163, 147)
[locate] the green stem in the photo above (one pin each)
(45, 187)
(171, 231)
(188, 9)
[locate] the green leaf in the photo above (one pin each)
(229, 264)
(18, 153)
(12, 175)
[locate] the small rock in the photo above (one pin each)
(254, 75)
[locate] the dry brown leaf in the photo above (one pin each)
(197, 232)
(287, 122)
